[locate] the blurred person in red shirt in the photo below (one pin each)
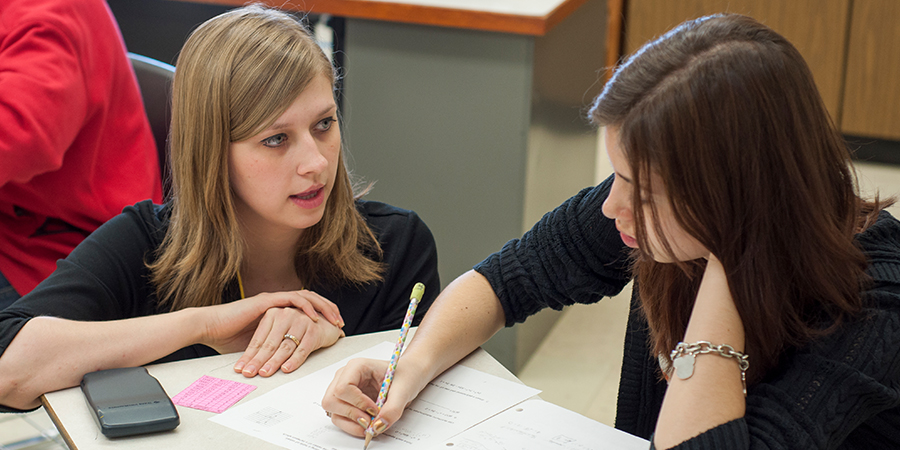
(75, 144)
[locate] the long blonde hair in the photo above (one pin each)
(236, 74)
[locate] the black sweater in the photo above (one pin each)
(842, 391)
(106, 278)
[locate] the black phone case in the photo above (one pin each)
(128, 401)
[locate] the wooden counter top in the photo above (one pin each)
(528, 17)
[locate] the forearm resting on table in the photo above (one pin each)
(465, 315)
(49, 354)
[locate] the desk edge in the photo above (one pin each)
(57, 423)
(427, 15)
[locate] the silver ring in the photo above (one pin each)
(293, 338)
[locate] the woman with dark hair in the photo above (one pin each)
(767, 291)
(264, 233)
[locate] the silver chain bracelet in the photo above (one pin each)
(684, 354)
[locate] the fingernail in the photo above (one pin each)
(363, 422)
(380, 426)
(286, 367)
(266, 369)
(372, 412)
(342, 323)
(239, 367)
(249, 370)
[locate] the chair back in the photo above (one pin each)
(155, 80)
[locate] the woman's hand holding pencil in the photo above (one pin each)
(350, 402)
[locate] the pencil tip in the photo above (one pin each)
(368, 439)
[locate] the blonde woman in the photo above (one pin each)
(264, 247)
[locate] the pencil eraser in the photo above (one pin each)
(418, 291)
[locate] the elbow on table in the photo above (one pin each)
(14, 388)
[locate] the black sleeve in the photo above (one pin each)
(409, 257)
(104, 278)
(572, 255)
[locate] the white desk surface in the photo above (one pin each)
(72, 417)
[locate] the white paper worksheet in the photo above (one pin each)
(539, 425)
(291, 415)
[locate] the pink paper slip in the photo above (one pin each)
(212, 394)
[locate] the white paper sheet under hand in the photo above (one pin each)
(539, 425)
(291, 415)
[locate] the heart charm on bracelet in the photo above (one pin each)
(684, 366)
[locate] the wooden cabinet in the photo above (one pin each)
(872, 87)
(850, 48)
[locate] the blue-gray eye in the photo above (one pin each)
(325, 124)
(275, 141)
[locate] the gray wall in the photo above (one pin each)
(480, 133)
(455, 151)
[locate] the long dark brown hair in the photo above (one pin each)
(725, 110)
